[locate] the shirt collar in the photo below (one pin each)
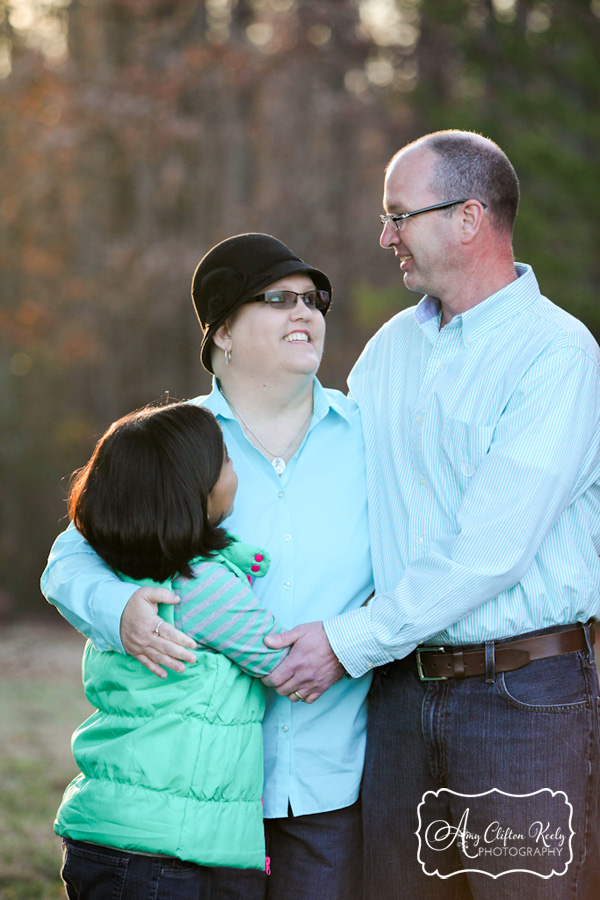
(323, 402)
(216, 402)
(504, 304)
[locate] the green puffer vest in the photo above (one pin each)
(170, 766)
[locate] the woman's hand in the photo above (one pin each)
(139, 622)
(311, 666)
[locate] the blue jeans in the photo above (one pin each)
(531, 731)
(92, 872)
(316, 857)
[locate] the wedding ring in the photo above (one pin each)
(298, 696)
(157, 629)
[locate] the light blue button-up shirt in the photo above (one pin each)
(483, 475)
(313, 522)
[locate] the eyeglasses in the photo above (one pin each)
(397, 223)
(288, 299)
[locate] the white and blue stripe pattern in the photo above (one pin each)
(483, 474)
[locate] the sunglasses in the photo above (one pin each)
(288, 299)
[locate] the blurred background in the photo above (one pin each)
(135, 134)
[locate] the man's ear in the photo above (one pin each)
(471, 220)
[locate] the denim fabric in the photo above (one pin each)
(316, 857)
(310, 858)
(531, 729)
(92, 872)
(238, 884)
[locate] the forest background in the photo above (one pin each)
(135, 134)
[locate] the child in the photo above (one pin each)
(171, 770)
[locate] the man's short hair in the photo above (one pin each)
(472, 166)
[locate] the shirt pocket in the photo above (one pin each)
(464, 447)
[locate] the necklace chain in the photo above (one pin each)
(277, 462)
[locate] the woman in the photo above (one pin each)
(298, 452)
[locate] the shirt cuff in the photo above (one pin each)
(353, 644)
(107, 616)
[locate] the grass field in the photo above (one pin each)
(41, 703)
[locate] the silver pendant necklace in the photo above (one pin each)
(278, 461)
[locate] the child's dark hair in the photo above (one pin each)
(141, 501)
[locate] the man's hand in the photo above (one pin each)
(311, 666)
(139, 638)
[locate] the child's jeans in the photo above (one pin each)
(93, 872)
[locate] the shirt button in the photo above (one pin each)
(287, 585)
(419, 540)
(285, 728)
(422, 481)
(418, 420)
(439, 365)
(280, 494)
(468, 340)
(287, 537)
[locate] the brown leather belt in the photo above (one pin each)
(440, 663)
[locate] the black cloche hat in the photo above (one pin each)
(237, 269)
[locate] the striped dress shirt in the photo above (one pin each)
(483, 475)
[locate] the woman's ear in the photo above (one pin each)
(222, 337)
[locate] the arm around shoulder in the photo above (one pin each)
(86, 591)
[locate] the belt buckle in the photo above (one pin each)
(420, 672)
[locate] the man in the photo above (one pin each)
(481, 414)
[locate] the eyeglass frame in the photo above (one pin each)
(265, 298)
(392, 220)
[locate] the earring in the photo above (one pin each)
(227, 357)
